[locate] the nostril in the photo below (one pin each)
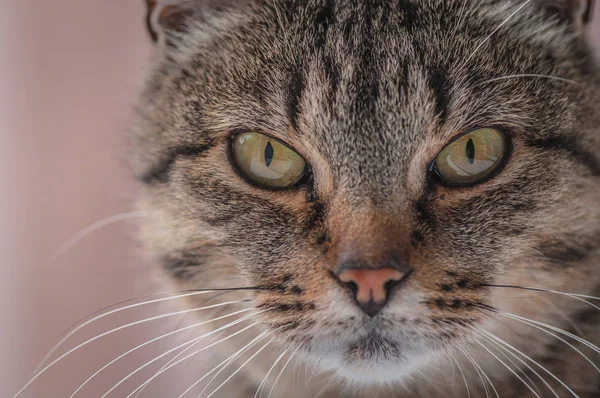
(352, 286)
(389, 285)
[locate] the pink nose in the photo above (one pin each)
(371, 286)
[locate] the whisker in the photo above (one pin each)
(564, 316)
(507, 367)
(152, 341)
(326, 384)
(191, 354)
(225, 363)
(532, 75)
(533, 324)
(477, 369)
(188, 348)
(85, 343)
(182, 359)
(104, 315)
(239, 369)
(461, 373)
(262, 383)
(175, 358)
(576, 296)
(556, 329)
(233, 358)
(499, 340)
(505, 352)
(282, 370)
(65, 247)
(172, 360)
(496, 30)
(502, 352)
(476, 365)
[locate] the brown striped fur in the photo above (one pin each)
(368, 92)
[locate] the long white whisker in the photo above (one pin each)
(182, 359)
(533, 324)
(233, 358)
(564, 316)
(558, 330)
(191, 354)
(499, 340)
(148, 381)
(477, 369)
(34, 378)
(175, 358)
(152, 341)
(507, 367)
(505, 352)
(496, 30)
(239, 369)
(104, 315)
(262, 383)
(282, 370)
(475, 364)
(542, 290)
(225, 363)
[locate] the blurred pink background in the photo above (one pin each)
(69, 72)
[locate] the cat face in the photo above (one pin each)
(372, 168)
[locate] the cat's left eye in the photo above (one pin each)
(472, 158)
(266, 162)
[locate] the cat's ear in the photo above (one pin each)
(164, 16)
(574, 12)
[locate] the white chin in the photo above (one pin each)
(373, 372)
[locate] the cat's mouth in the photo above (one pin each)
(372, 358)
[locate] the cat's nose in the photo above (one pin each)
(371, 287)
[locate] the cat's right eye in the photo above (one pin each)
(266, 162)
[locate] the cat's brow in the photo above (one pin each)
(160, 171)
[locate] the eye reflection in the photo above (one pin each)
(472, 157)
(265, 161)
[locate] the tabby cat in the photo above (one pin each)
(402, 197)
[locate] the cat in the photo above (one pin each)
(402, 197)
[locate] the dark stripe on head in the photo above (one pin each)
(323, 18)
(438, 82)
(411, 15)
(159, 173)
(367, 74)
(333, 75)
(295, 92)
(323, 22)
(570, 145)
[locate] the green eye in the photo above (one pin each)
(471, 158)
(267, 162)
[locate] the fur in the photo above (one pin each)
(368, 92)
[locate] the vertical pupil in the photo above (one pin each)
(269, 154)
(471, 151)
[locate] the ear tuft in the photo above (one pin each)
(166, 15)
